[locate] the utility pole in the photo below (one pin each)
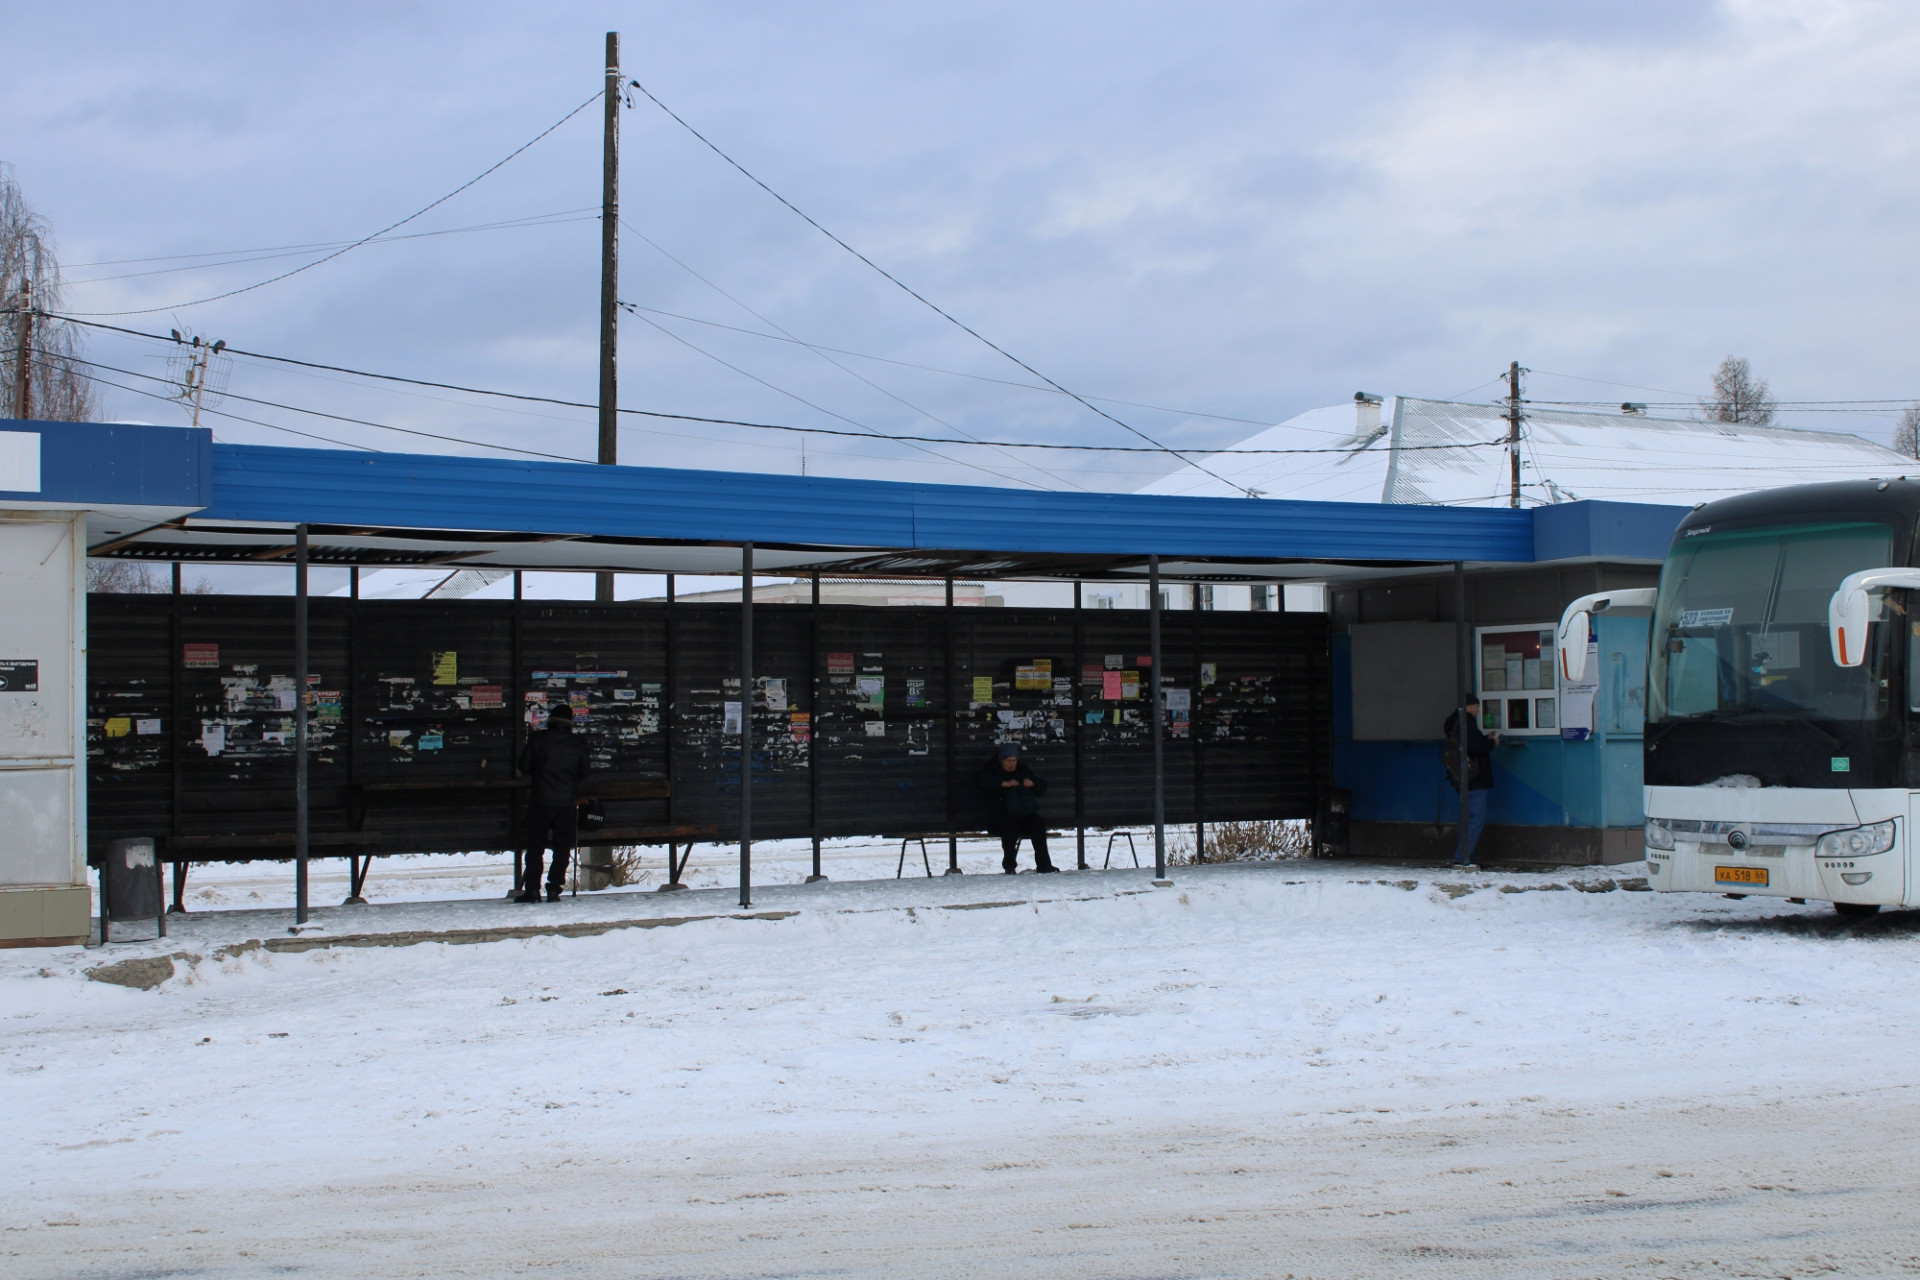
(23, 357)
(609, 282)
(1513, 433)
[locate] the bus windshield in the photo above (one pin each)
(1741, 626)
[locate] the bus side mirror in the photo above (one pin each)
(1851, 609)
(1573, 646)
(1847, 625)
(1576, 624)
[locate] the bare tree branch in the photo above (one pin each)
(55, 389)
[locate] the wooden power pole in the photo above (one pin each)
(23, 355)
(1513, 433)
(609, 282)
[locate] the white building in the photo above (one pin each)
(1434, 451)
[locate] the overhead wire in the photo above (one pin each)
(294, 251)
(923, 300)
(629, 307)
(732, 422)
(870, 431)
(286, 275)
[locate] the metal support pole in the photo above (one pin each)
(948, 697)
(300, 724)
(676, 862)
(1195, 700)
(746, 724)
(1159, 746)
(1462, 643)
(1079, 731)
(813, 733)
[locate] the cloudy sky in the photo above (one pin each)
(1242, 211)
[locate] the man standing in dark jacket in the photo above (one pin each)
(1012, 793)
(557, 763)
(1479, 775)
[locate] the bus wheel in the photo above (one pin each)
(1857, 908)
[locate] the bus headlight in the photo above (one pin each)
(1853, 843)
(1658, 837)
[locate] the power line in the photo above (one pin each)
(733, 422)
(926, 368)
(240, 257)
(145, 311)
(318, 413)
(317, 245)
(864, 429)
(787, 335)
(1089, 405)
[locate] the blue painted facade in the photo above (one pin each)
(94, 464)
(1538, 782)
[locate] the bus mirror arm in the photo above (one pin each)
(1851, 610)
(1577, 620)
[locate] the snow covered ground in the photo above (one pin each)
(1306, 1069)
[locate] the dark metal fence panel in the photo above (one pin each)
(131, 714)
(420, 707)
(882, 751)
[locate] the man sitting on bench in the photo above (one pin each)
(557, 763)
(1012, 793)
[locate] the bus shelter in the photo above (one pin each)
(772, 705)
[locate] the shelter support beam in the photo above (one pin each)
(1463, 680)
(951, 698)
(746, 724)
(1155, 716)
(813, 733)
(1079, 731)
(300, 725)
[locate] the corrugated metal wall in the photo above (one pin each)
(421, 707)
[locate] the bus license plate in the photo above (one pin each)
(1740, 875)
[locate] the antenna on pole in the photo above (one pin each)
(200, 373)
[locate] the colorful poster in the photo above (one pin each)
(1111, 686)
(983, 688)
(431, 740)
(446, 667)
(870, 693)
(1129, 685)
(146, 726)
(839, 664)
(1090, 674)
(916, 692)
(486, 696)
(800, 725)
(1034, 677)
(201, 655)
(118, 726)
(1576, 699)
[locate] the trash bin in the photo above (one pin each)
(131, 888)
(1330, 821)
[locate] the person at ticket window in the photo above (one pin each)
(1012, 793)
(1479, 772)
(556, 761)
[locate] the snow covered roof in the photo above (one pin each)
(1434, 451)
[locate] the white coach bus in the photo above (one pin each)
(1782, 749)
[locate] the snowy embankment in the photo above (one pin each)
(1312, 1068)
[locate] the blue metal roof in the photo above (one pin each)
(414, 491)
(113, 464)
